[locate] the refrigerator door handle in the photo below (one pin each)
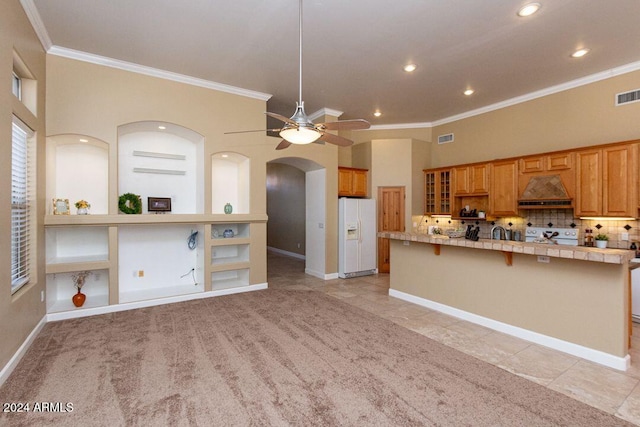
(359, 230)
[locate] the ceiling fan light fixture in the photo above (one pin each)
(300, 135)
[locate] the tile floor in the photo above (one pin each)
(610, 390)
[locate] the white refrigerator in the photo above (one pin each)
(357, 237)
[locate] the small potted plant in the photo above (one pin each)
(601, 240)
(83, 207)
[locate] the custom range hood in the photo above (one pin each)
(545, 192)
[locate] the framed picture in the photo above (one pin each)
(159, 204)
(61, 206)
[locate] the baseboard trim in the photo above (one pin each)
(320, 275)
(287, 253)
(596, 356)
(13, 362)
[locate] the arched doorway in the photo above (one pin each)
(296, 206)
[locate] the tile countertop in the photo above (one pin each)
(609, 256)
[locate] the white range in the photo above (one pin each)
(552, 236)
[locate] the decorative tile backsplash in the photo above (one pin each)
(560, 218)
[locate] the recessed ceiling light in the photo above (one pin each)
(224, 156)
(528, 9)
(468, 92)
(410, 67)
(84, 140)
(377, 114)
(162, 127)
(580, 53)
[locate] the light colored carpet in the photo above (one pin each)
(272, 357)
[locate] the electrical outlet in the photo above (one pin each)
(41, 296)
(545, 259)
(298, 245)
(624, 236)
(405, 242)
(96, 276)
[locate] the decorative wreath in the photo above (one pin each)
(130, 203)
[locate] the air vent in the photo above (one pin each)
(627, 97)
(444, 139)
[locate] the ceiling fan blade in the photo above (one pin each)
(257, 130)
(336, 140)
(283, 144)
(281, 118)
(354, 124)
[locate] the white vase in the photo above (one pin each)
(83, 211)
(602, 244)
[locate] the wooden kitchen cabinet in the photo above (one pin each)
(352, 182)
(606, 181)
(546, 162)
(437, 192)
(471, 179)
(503, 197)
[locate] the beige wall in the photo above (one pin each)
(20, 313)
(399, 163)
(576, 301)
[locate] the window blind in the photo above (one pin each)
(20, 206)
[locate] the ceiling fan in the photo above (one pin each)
(299, 129)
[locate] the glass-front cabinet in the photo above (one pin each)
(437, 192)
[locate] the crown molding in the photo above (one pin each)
(325, 112)
(36, 22)
(154, 72)
(401, 126)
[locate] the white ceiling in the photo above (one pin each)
(354, 50)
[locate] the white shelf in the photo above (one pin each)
(230, 241)
(220, 285)
(66, 304)
(164, 292)
(230, 279)
(78, 259)
(231, 254)
(240, 230)
(73, 264)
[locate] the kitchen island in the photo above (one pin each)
(575, 300)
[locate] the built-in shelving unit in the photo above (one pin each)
(146, 259)
(230, 255)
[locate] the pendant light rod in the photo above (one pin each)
(300, 65)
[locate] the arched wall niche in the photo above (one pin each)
(161, 159)
(230, 182)
(78, 169)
